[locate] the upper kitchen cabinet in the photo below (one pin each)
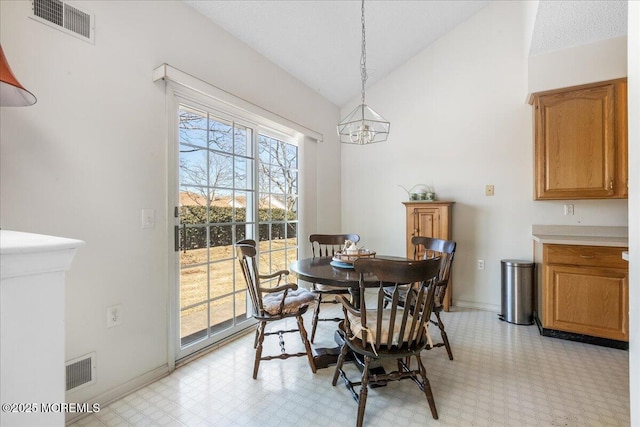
(581, 141)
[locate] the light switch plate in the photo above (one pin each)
(148, 218)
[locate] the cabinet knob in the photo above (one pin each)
(611, 185)
(587, 256)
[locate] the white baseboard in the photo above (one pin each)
(122, 390)
(478, 306)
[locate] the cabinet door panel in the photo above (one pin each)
(427, 224)
(581, 141)
(591, 301)
(575, 143)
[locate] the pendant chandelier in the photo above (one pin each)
(363, 125)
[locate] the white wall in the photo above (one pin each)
(459, 120)
(92, 153)
(604, 60)
(634, 209)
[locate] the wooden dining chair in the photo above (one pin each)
(272, 304)
(325, 245)
(395, 332)
(428, 247)
(445, 250)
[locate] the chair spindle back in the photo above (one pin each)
(395, 326)
(246, 253)
(431, 247)
(323, 245)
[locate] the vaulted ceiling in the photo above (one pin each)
(318, 41)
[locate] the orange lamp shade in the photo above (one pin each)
(12, 94)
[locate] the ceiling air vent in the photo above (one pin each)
(64, 17)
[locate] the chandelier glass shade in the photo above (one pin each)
(363, 125)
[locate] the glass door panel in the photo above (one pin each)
(216, 188)
(277, 193)
(235, 183)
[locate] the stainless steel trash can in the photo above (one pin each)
(517, 291)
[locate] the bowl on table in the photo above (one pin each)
(346, 259)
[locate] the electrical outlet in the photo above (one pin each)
(488, 190)
(480, 264)
(114, 316)
(568, 209)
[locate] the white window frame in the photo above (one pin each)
(183, 88)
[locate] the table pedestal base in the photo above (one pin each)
(323, 357)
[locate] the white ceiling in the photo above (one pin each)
(563, 24)
(318, 41)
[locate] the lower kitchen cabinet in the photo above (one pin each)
(583, 292)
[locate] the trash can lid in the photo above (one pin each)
(517, 262)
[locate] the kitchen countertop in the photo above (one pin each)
(581, 235)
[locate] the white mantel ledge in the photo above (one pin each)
(23, 254)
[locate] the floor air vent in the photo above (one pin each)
(81, 371)
(62, 16)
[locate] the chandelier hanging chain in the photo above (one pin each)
(363, 56)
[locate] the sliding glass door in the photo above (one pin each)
(235, 182)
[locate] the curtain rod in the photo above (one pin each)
(168, 73)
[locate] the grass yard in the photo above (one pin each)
(196, 270)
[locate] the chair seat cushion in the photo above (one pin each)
(357, 328)
(294, 301)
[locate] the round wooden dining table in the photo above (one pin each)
(319, 270)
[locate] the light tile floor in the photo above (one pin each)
(502, 375)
